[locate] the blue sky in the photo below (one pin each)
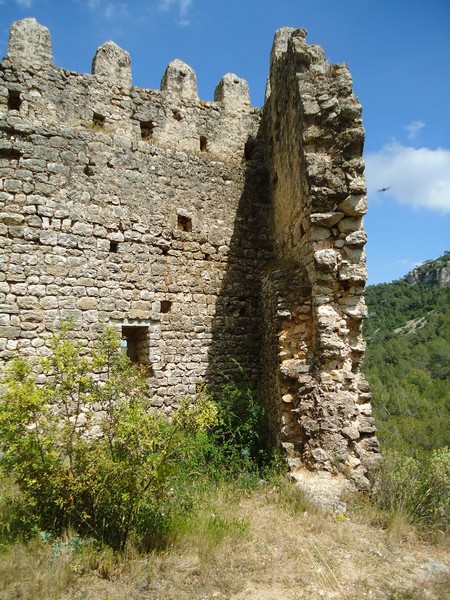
(399, 56)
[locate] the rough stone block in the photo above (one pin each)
(9, 332)
(354, 205)
(179, 80)
(112, 63)
(30, 45)
(232, 92)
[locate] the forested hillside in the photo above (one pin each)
(408, 357)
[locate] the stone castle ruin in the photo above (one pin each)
(205, 232)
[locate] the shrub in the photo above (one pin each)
(436, 508)
(419, 489)
(239, 439)
(85, 449)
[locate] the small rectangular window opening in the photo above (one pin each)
(10, 153)
(14, 100)
(98, 120)
(147, 128)
(203, 143)
(114, 247)
(184, 223)
(135, 344)
(166, 306)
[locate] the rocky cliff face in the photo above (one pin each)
(435, 272)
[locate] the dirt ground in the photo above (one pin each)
(261, 550)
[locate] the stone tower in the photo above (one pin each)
(206, 232)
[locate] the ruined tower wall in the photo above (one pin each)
(314, 292)
(119, 205)
(206, 232)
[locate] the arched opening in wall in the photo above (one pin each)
(147, 128)
(14, 100)
(135, 343)
(166, 306)
(184, 223)
(98, 120)
(113, 247)
(203, 143)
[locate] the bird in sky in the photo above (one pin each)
(384, 189)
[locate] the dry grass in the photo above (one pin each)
(268, 544)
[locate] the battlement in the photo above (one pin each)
(173, 116)
(205, 232)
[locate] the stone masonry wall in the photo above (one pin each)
(119, 205)
(315, 141)
(204, 231)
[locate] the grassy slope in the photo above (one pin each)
(263, 544)
(408, 362)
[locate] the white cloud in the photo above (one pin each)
(115, 9)
(414, 128)
(406, 262)
(182, 6)
(418, 177)
(24, 3)
(110, 10)
(92, 4)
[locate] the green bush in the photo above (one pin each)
(419, 489)
(85, 449)
(238, 442)
(436, 508)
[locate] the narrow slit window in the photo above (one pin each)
(166, 306)
(98, 120)
(184, 223)
(14, 101)
(147, 128)
(135, 344)
(203, 143)
(114, 247)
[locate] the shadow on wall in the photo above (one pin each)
(236, 329)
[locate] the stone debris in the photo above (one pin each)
(205, 232)
(324, 490)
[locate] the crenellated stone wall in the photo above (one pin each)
(206, 232)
